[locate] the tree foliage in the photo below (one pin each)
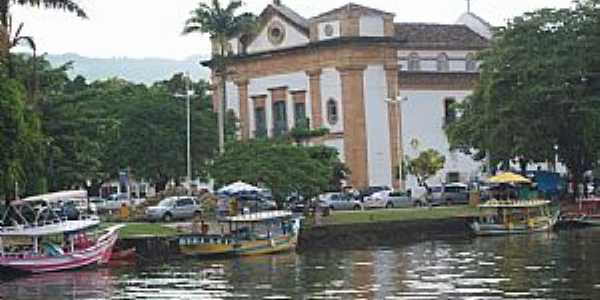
(283, 167)
(535, 92)
(426, 165)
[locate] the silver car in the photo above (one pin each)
(172, 208)
(339, 201)
(389, 199)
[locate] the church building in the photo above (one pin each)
(384, 90)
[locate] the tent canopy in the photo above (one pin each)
(508, 177)
(239, 186)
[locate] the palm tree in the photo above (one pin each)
(222, 25)
(7, 42)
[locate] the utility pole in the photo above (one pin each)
(189, 93)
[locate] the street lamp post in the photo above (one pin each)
(188, 96)
(398, 103)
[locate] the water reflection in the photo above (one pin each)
(542, 266)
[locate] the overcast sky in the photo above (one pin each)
(151, 28)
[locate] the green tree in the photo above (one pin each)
(280, 166)
(221, 24)
(19, 136)
(426, 165)
(535, 92)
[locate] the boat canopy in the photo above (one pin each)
(57, 197)
(509, 177)
(514, 204)
(259, 216)
(49, 229)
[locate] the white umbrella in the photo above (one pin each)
(239, 186)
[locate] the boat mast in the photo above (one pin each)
(1, 247)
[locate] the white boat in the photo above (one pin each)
(36, 240)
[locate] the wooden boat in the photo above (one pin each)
(587, 212)
(514, 217)
(36, 240)
(251, 234)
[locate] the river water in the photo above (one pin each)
(557, 265)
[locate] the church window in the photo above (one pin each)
(300, 115)
(449, 111)
(279, 118)
(414, 63)
(276, 33)
(443, 64)
(470, 63)
(332, 112)
(260, 122)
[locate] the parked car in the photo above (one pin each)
(453, 193)
(370, 191)
(168, 209)
(389, 199)
(339, 201)
(115, 201)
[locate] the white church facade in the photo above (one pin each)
(383, 90)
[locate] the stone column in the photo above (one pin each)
(315, 98)
(355, 132)
(242, 85)
(395, 125)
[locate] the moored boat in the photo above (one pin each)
(514, 217)
(37, 240)
(250, 234)
(587, 212)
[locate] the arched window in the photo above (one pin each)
(442, 63)
(470, 63)
(332, 112)
(414, 63)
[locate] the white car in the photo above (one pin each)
(389, 199)
(339, 201)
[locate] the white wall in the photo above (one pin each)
(331, 87)
(297, 81)
(457, 59)
(377, 123)
(336, 30)
(423, 119)
(338, 144)
(371, 26)
(293, 37)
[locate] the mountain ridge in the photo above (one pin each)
(137, 70)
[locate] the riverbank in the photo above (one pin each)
(340, 230)
(380, 228)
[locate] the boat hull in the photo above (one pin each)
(98, 254)
(501, 229)
(241, 248)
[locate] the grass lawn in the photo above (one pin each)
(401, 214)
(132, 230)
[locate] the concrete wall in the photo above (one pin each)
(338, 144)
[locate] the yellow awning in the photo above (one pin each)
(508, 177)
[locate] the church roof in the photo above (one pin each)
(290, 14)
(451, 36)
(350, 7)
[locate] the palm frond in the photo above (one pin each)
(66, 5)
